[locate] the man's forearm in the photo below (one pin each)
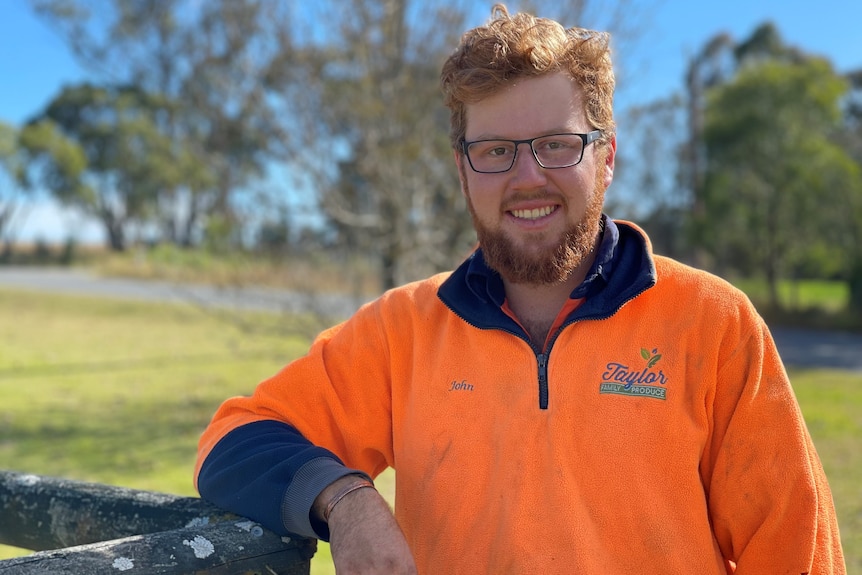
(240, 475)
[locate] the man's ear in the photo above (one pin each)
(459, 163)
(610, 157)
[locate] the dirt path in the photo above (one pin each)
(807, 348)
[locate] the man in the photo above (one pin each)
(563, 402)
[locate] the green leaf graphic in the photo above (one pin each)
(644, 353)
(653, 361)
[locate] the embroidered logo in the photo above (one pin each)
(620, 379)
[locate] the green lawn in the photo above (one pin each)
(830, 296)
(831, 402)
(118, 392)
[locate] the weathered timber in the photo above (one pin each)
(39, 513)
(238, 547)
(94, 528)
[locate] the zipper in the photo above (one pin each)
(542, 359)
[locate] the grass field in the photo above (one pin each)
(118, 392)
(827, 295)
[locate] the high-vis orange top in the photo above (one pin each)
(657, 432)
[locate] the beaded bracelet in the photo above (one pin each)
(349, 488)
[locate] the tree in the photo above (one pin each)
(219, 63)
(658, 199)
(98, 150)
(851, 141)
(373, 127)
(375, 144)
(768, 138)
(346, 100)
(10, 192)
(711, 66)
(766, 147)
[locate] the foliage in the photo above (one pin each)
(851, 140)
(346, 101)
(394, 184)
(763, 175)
(10, 196)
(660, 203)
(218, 66)
(99, 150)
(772, 166)
(60, 159)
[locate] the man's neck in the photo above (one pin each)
(537, 306)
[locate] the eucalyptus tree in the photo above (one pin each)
(10, 192)
(98, 149)
(217, 62)
(773, 166)
(652, 190)
(851, 141)
(342, 97)
(372, 131)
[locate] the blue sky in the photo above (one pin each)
(34, 63)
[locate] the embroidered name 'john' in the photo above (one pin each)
(621, 380)
(461, 386)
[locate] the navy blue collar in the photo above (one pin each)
(487, 285)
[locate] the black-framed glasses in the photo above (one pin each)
(551, 151)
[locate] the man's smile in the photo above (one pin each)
(534, 213)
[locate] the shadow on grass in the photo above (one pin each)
(119, 443)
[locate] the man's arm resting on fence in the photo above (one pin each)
(267, 471)
(364, 536)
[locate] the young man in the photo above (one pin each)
(563, 402)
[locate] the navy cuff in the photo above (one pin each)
(308, 482)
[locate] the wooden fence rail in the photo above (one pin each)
(77, 527)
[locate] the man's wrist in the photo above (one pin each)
(335, 492)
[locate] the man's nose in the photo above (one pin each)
(527, 167)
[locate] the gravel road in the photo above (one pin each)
(798, 347)
(81, 282)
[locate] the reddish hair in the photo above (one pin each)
(491, 57)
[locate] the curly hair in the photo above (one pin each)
(521, 46)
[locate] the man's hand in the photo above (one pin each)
(363, 535)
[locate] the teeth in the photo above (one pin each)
(533, 214)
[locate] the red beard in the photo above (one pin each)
(554, 265)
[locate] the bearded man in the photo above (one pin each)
(565, 401)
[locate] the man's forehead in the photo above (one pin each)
(544, 104)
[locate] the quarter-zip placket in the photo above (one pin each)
(543, 380)
(543, 357)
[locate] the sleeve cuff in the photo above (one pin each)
(312, 478)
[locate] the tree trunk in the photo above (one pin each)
(116, 236)
(855, 284)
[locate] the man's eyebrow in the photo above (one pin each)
(550, 132)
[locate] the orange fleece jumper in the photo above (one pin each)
(671, 441)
